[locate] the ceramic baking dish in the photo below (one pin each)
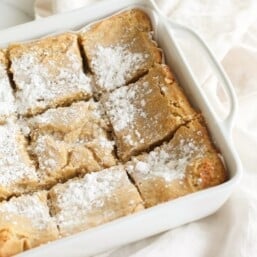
(173, 213)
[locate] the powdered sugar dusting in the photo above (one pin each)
(15, 165)
(77, 198)
(167, 162)
(124, 109)
(105, 143)
(120, 108)
(24, 127)
(29, 207)
(7, 106)
(42, 85)
(64, 117)
(48, 156)
(113, 65)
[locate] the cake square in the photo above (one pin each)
(146, 112)
(48, 73)
(17, 171)
(120, 49)
(68, 141)
(7, 105)
(187, 163)
(25, 222)
(97, 198)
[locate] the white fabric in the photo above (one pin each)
(230, 28)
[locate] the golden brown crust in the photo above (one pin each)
(145, 113)
(25, 223)
(48, 73)
(131, 19)
(127, 48)
(95, 199)
(170, 88)
(188, 163)
(46, 48)
(12, 243)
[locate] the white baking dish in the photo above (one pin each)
(167, 215)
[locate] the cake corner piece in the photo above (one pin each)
(122, 54)
(48, 73)
(25, 223)
(189, 162)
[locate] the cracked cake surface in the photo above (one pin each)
(68, 141)
(48, 73)
(96, 198)
(146, 112)
(187, 163)
(121, 54)
(25, 222)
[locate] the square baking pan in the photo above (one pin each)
(166, 215)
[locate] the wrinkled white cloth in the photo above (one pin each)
(230, 29)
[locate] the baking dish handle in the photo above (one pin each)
(219, 71)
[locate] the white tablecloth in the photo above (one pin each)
(230, 28)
